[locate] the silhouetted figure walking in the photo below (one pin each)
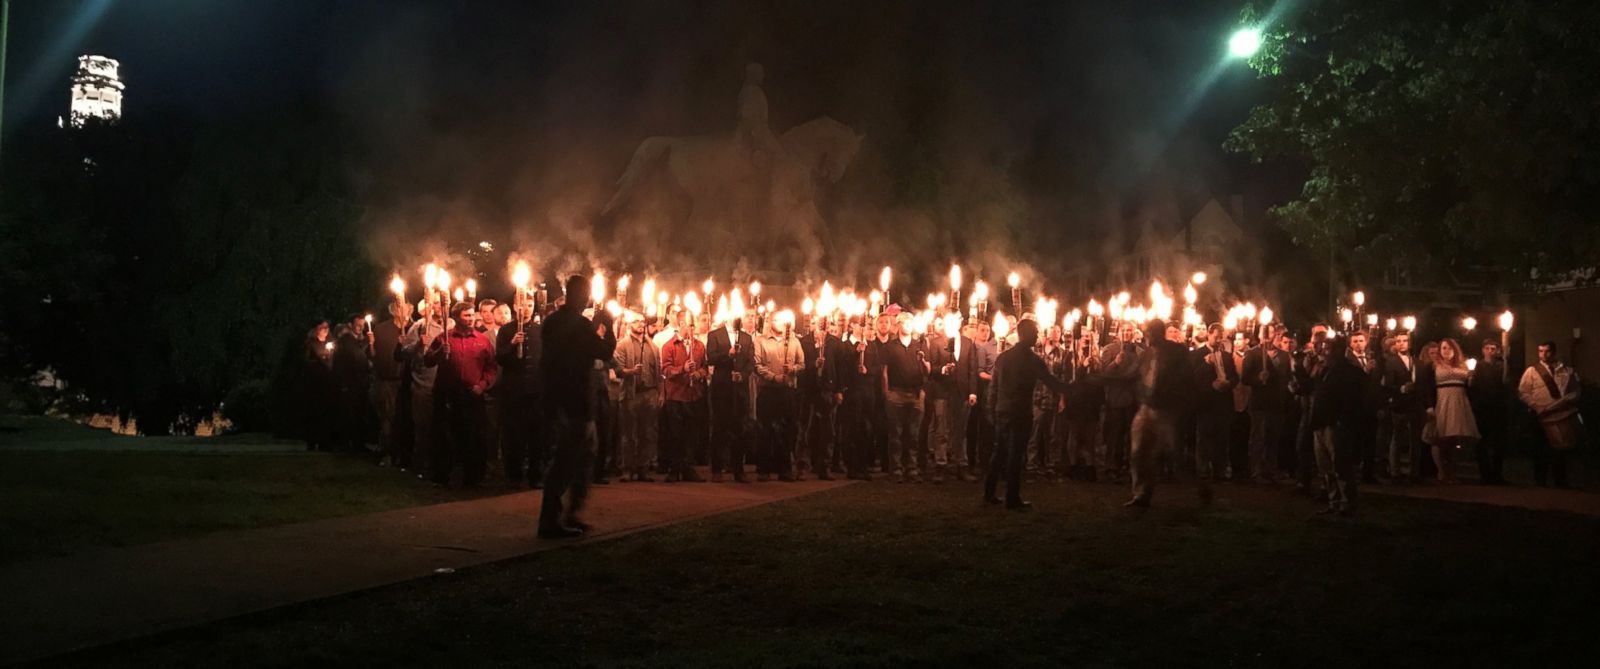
(1016, 372)
(572, 345)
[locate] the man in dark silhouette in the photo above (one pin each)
(1165, 390)
(572, 345)
(522, 441)
(1016, 372)
(731, 352)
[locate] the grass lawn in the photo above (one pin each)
(890, 575)
(66, 488)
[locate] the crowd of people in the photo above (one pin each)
(577, 396)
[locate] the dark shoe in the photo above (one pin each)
(1019, 505)
(992, 501)
(690, 477)
(559, 532)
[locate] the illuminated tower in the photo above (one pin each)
(96, 91)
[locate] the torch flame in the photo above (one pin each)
(1469, 324)
(1095, 309)
(1506, 320)
(472, 287)
(806, 306)
(443, 280)
(430, 276)
(397, 286)
(755, 289)
(1266, 315)
(622, 285)
(980, 291)
(1372, 320)
(521, 274)
(955, 277)
(1359, 298)
(1013, 279)
(883, 279)
(649, 289)
(1346, 315)
(952, 326)
(709, 286)
(597, 287)
(1410, 322)
(1391, 324)
(1190, 294)
(1199, 279)
(1002, 325)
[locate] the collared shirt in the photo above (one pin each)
(681, 385)
(636, 350)
(470, 363)
(775, 356)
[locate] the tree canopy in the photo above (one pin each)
(1445, 139)
(157, 267)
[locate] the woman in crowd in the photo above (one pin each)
(321, 389)
(1450, 411)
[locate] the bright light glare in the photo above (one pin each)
(1245, 42)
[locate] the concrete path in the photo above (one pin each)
(1524, 497)
(61, 604)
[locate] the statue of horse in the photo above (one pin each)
(723, 181)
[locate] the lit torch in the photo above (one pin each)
(521, 275)
(955, 288)
(397, 286)
(597, 288)
(1015, 281)
(1506, 321)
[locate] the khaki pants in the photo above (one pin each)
(1155, 433)
(639, 426)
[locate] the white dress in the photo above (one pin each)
(1452, 412)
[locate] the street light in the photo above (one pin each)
(1245, 42)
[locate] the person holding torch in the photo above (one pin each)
(467, 369)
(517, 349)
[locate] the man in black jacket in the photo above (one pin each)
(1365, 422)
(518, 347)
(1490, 393)
(731, 353)
(1267, 372)
(1166, 384)
(820, 396)
(1337, 417)
(1215, 378)
(959, 378)
(572, 344)
(1016, 372)
(1399, 381)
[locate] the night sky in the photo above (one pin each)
(474, 110)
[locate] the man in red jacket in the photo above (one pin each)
(467, 369)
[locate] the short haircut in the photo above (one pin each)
(1491, 342)
(1550, 345)
(487, 302)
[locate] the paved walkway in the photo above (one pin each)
(1525, 497)
(56, 605)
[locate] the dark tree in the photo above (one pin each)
(1446, 139)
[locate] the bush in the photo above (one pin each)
(248, 407)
